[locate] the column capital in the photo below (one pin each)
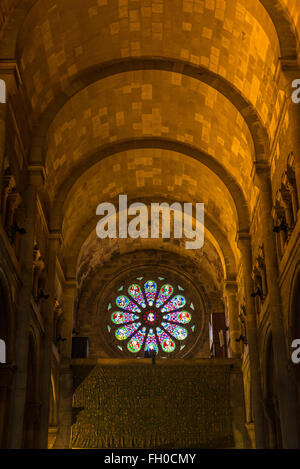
(36, 174)
(10, 73)
(290, 64)
(55, 237)
(243, 238)
(231, 287)
(261, 172)
(244, 244)
(8, 181)
(15, 198)
(70, 284)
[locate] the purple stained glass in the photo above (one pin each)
(136, 293)
(161, 322)
(119, 317)
(165, 292)
(167, 344)
(151, 342)
(175, 303)
(183, 317)
(124, 332)
(124, 303)
(179, 332)
(136, 342)
(150, 291)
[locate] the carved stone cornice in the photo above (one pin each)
(10, 73)
(231, 287)
(37, 174)
(261, 174)
(289, 63)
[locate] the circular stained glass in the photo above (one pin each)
(151, 314)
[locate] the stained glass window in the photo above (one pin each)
(151, 314)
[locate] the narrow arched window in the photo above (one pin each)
(2, 351)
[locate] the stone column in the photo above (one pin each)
(295, 118)
(6, 184)
(287, 394)
(15, 436)
(287, 78)
(48, 310)
(244, 244)
(66, 377)
(233, 311)
(6, 379)
(294, 196)
(2, 134)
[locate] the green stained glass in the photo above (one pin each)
(150, 318)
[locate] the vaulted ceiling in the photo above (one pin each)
(166, 99)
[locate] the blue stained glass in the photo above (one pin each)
(136, 293)
(151, 342)
(124, 332)
(138, 331)
(166, 343)
(118, 317)
(183, 317)
(179, 332)
(136, 342)
(124, 303)
(150, 291)
(165, 292)
(175, 303)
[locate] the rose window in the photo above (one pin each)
(150, 315)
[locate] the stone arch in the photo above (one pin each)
(287, 37)
(179, 147)
(285, 27)
(16, 18)
(101, 71)
(227, 256)
(278, 13)
(224, 249)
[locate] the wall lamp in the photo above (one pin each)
(59, 338)
(42, 296)
(282, 227)
(243, 339)
(258, 293)
(14, 229)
